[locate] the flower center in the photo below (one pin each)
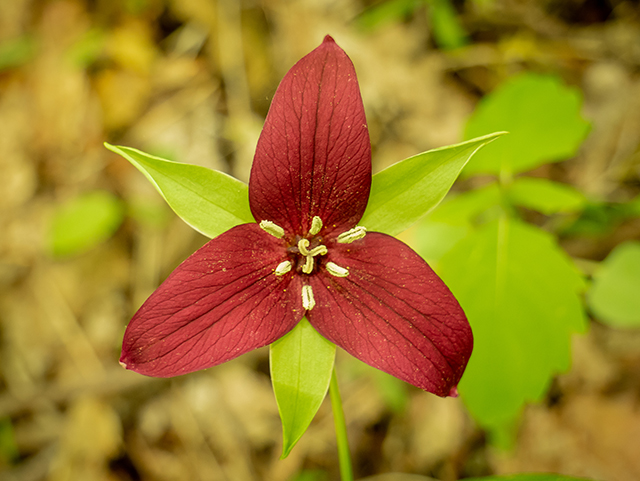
(304, 252)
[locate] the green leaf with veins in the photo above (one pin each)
(453, 220)
(541, 114)
(301, 364)
(614, 295)
(209, 201)
(521, 294)
(546, 196)
(406, 191)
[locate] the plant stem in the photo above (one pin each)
(346, 473)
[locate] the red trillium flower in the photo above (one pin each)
(367, 292)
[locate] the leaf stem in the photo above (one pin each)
(344, 458)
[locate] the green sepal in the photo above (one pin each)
(210, 201)
(404, 192)
(301, 364)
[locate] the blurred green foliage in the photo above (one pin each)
(17, 51)
(521, 292)
(84, 222)
(541, 114)
(8, 446)
(614, 296)
(446, 30)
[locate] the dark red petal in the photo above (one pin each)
(313, 156)
(394, 313)
(221, 302)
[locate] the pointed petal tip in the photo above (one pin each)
(328, 39)
(453, 392)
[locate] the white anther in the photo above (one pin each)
(358, 232)
(302, 246)
(336, 270)
(308, 302)
(283, 268)
(271, 228)
(307, 268)
(316, 225)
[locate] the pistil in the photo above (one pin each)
(303, 248)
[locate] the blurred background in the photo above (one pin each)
(84, 237)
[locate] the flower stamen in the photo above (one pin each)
(283, 268)
(336, 270)
(358, 232)
(271, 228)
(316, 225)
(308, 302)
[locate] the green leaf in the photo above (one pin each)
(464, 208)
(614, 295)
(17, 51)
(301, 366)
(541, 114)
(521, 295)
(447, 30)
(404, 192)
(9, 451)
(209, 201)
(432, 240)
(386, 12)
(453, 219)
(546, 196)
(84, 222)
(88, 48)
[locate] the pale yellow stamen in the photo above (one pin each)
(316, 225)
(308, 302)
(358, 232)
(336, 270)
(283, 268)
(271, 228)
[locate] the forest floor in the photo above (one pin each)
(192, 80)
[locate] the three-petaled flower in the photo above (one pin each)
(367, 292)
